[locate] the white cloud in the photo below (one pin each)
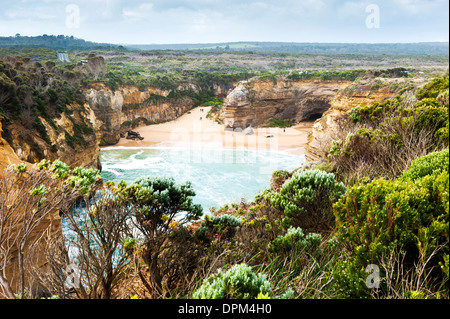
(420, 6)
(170, 21)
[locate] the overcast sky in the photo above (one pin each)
(211, 21)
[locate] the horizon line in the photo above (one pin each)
(286, 42)
(230, 42)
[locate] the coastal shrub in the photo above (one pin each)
(380, 214)
(260, 224)
(30, 198)
(432, 164)
(277, 123)
(278, 179)
(82, 179)
(307, 198)
(161, 209)
(239, 282)
(354, 114)
(386, 150)
(430, 114)
(376, 218)
(220, 227)
(295, 239)
(376, 112)
(59, 168)
(385, 137)
(344, 75)
(434, 88)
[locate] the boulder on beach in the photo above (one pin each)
(248, 131)
(132, 135)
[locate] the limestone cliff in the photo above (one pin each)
(256, 101)
(74, 135)
(72, 138)
(52, 222)
(127, 104)
(7, 155)
(325, 128)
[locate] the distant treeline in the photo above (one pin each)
(63, 42)
(55, 42)
(428, 48)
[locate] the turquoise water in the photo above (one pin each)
(219, 176)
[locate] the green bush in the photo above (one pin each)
(161, 209)
(221, 227)
(277, 123)
(307, 199)
(432, 164)
(394, 132)
(354, 114)
(383, 214)
(82, 178)
(278, 179)
(433, 89)
(239, 282)
(376, 112)
(379, 217)
(295, 239)
(349, 279)
(431, 115)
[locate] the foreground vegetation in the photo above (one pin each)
(369, 221)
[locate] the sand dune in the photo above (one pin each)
(194, 130)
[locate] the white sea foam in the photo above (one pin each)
(108, 169)
(219, 176)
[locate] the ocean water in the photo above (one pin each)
(218, 176)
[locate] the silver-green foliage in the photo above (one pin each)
(294, 238)
(239, 282)
(307, 198)
(222, 227)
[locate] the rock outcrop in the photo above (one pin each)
(256, 101)
(7, 154)
(50, 224)
(71, 139)
(326, 128)
(127, 104)
(74, 136)
(132, 135)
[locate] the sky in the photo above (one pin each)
(218, 21)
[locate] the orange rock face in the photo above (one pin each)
(320, 138)
(254, 102)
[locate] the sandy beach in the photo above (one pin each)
(194, 130)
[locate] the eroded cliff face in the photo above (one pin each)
(128, 104)
(7, 154)
(327, 127)
(254, 102)
(72, 139)
(76, 134)
(51, 224)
